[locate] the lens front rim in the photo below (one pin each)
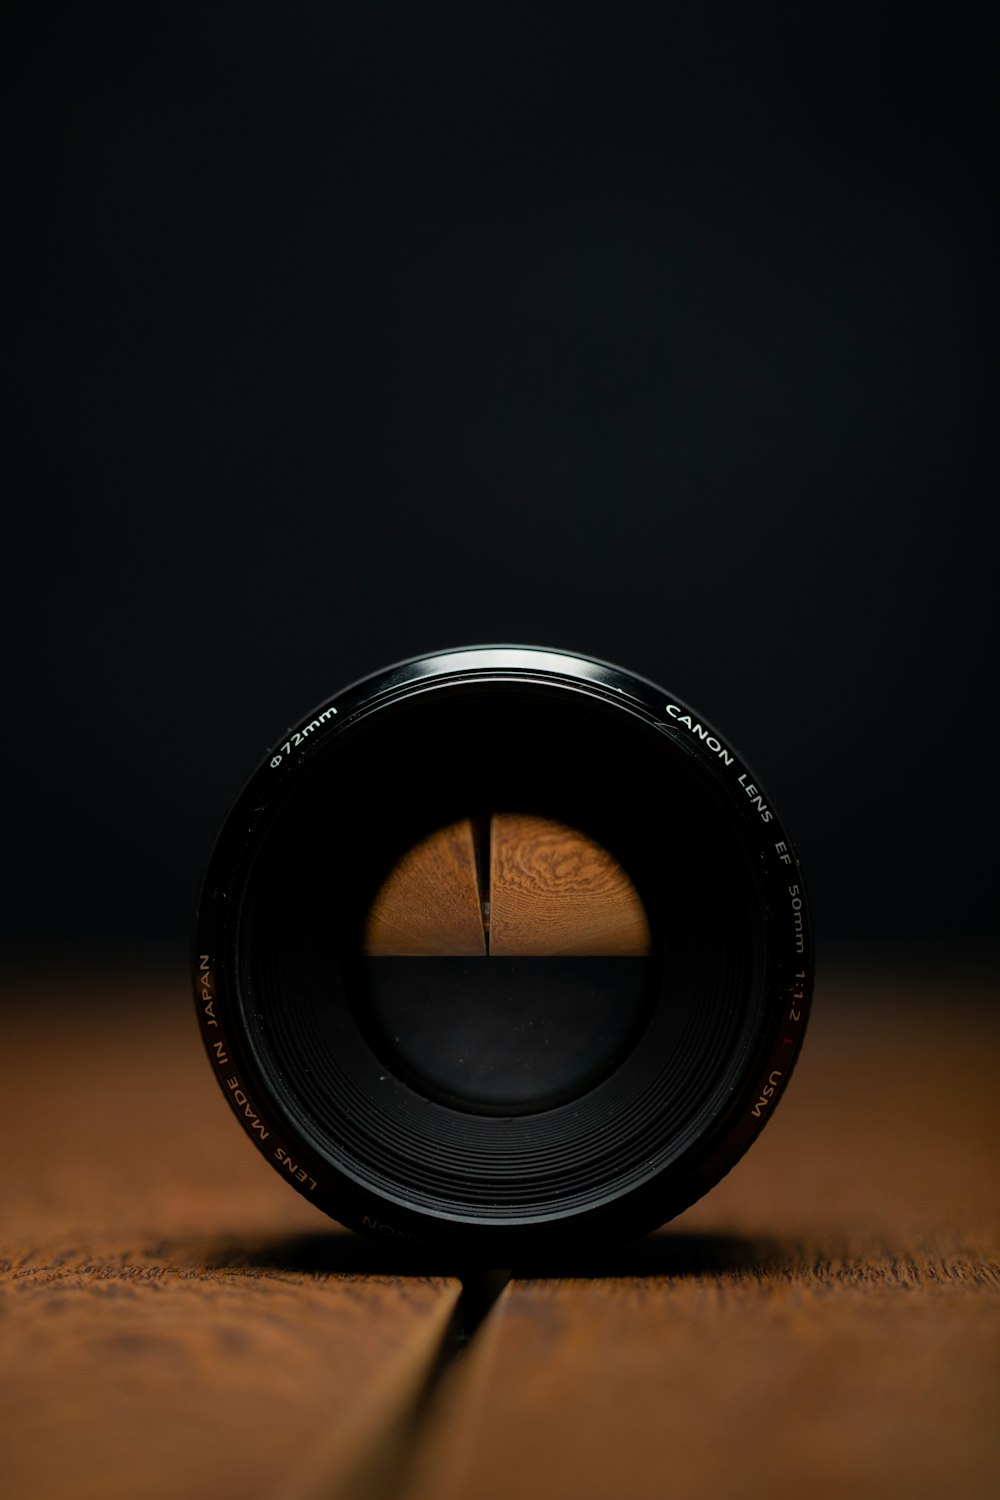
(786, 940)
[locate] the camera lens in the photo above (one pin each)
(500, 948)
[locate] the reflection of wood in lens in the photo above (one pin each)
(430, 902)
(552, 891)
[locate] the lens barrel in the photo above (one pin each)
(503, 949)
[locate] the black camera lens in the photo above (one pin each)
(503, 948)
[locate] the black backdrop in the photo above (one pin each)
(342, 332)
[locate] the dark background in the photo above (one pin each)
(340, 333)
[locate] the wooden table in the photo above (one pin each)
(176, 1323)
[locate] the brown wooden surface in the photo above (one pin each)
(553, 891)
(175, 1321)
(431, 901)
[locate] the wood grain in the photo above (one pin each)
(825, 1324)
(430, 903)
(554, 891)
(129, 1372)
(174, 1322)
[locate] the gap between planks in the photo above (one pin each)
(287, 1372)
